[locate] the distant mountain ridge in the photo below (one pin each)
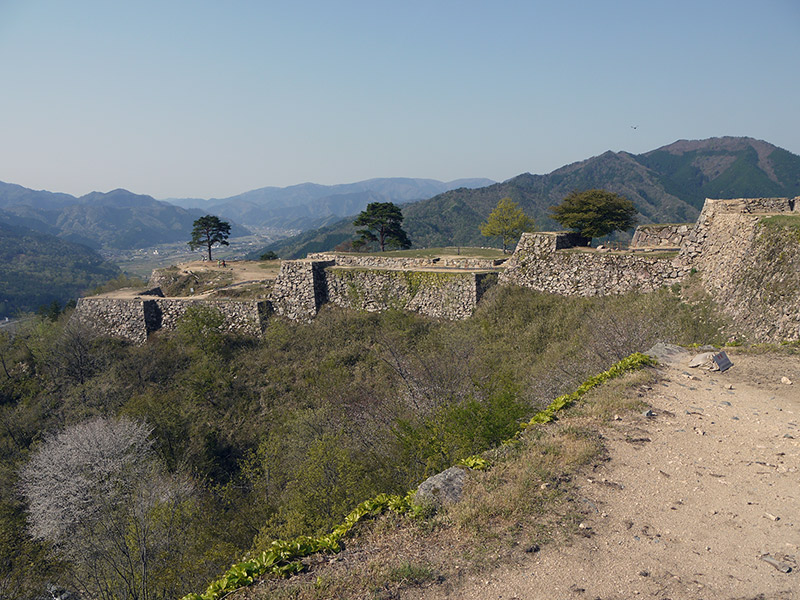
(118, 219)
(310, 205)
(668, 184)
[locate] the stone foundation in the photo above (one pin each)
(300, 289)
(752, 271)
(545, 262)
(439, 294)
(134, 319)
(407, 264)
(661, 236)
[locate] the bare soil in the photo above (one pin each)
(241, 270)
(238, 273)
(690, 504)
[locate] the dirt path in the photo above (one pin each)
(689, 502)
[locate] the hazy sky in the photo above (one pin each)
(207, 99)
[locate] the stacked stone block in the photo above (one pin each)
(661, 236)
(440, 294)
(408, 264)
(544, 262)
(134, 319)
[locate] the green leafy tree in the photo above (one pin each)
(507, 221)
(382, 222)
(209, 231)
(595, 213)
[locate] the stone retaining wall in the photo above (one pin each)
(402, 263)
(116, 317)
(246, 317)
(654, 236)
(300, 289)
(751, 271)
(440, 294)
(133, 319)
(537, 265)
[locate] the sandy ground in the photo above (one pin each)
(242, 270)
(690, 501)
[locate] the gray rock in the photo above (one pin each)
(701, 360)
(444, 487)
(668, 353)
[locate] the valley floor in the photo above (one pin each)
(690, 504)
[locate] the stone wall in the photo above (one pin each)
(133, 319)
(537, 263)
(394, 262)
(117, 317)
(300, 289)
(441, 294)
(654, 236)
(245, 317)
(750, 270)
(303, 286)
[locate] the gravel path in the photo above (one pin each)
(692, 502)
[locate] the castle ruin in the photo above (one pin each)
(750, 269)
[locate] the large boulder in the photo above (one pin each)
(442, 488)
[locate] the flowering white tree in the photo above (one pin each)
(96, 491)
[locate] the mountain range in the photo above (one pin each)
(117, 220)
(310, 205)
(666, 185)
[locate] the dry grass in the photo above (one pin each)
(525, 500)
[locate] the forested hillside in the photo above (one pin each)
(37, 269)
(118, 219)
(667, 185)
(227, 443)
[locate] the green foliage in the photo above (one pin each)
(284, 436)
(209, 231)
(507, 221)
(595, 213)
(53, 310)
(475, 462)
(634, 361)
(269, 255)
(37, 269)
(790, 222)
(201, 327)
(280, 558)
(451, 433)
(382, 222)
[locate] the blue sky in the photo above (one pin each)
(210, 99)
